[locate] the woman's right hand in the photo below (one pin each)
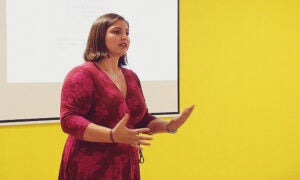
(122, 134)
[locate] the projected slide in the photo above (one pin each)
(44, 39)
(46, 36)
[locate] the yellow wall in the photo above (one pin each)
(30, 152)
(240, 66)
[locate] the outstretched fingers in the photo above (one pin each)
(141, 139)
(187, 112)
(141, 131)
(122, 134)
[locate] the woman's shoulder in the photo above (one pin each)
(128, 71)
(131, 76)
(86, 66)
(85, 69)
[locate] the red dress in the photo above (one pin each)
(88, 95)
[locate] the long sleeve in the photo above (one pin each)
(76, 100)
(145, 120)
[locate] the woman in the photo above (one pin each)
(104, 111)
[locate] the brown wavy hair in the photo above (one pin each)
(96, 49)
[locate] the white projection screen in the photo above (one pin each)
(42, 40)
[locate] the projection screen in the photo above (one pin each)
(42, 40)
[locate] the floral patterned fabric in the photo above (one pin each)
(88, 95)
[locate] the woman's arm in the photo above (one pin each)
(76, 101)
(161, 126)
(157, 126)
(119, 134)
(96, 133)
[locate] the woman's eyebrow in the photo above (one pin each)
(116, 27)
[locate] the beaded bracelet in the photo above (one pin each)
(111, 136)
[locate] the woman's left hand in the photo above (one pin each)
(175, 123)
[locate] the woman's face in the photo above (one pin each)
(117, 39)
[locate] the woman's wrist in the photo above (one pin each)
(169, 129)
(111, 136)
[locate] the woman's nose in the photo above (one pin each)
(124, 36)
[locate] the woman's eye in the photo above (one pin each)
(116, 32)
(127, 33)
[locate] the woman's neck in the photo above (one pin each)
(110, 65)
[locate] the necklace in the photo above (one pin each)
(113, 75)
(116, 78)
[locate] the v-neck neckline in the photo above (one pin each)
(112, 82)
